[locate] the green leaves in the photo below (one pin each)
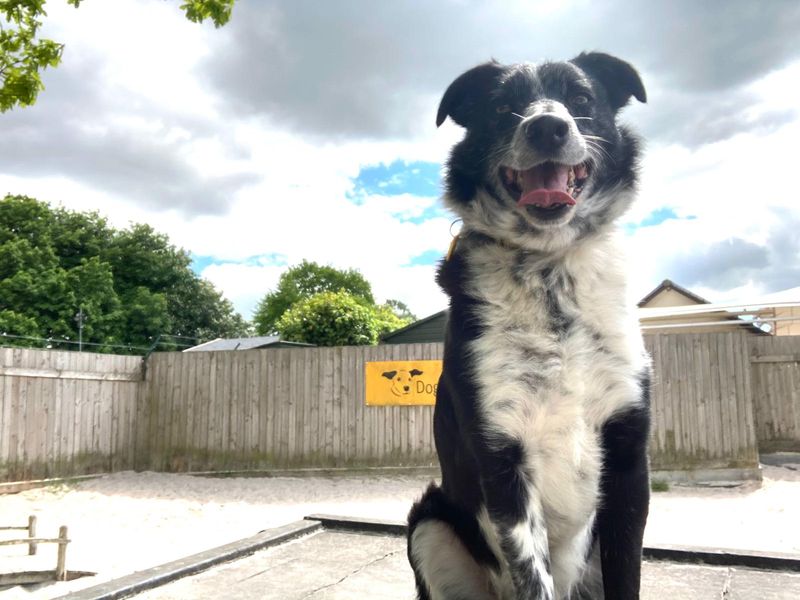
(219, 11)
(326, 306)
(23, 56)
(131, 285)
(337, 319)
(329, 319)
(303, 281)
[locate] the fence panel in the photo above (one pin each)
(281, 408)
(702, 402)
(775, 365)
(66, 413)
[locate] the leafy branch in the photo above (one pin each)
(23, 55)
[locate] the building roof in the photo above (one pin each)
(791, 296)
(387, 337)
(244, 343)
(751, 314)
(668, 284)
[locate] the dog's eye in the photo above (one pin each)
(580, 99)
(504, 108)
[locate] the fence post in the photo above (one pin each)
(32, 534)
(61, 564)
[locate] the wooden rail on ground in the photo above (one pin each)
(62, 540)
(30, 528)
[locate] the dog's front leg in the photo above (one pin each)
(514, 508)
(625, 501)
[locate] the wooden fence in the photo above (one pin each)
(702, 405)
(294, 407)
(776, 388)
(64, 413)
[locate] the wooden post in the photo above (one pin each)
(32, 534)
(61, 564)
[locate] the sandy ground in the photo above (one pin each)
(131, 521)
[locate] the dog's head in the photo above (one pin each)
(543, 161)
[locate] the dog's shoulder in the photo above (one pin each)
(452, 272)
(449, 275)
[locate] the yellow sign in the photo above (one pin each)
(402, 382)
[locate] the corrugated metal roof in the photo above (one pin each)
(245, 343)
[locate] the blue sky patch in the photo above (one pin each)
(657, 217)
(199, 263)
(429, 257)
(432, 212)
(417, 178)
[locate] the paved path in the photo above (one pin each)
(333, 565)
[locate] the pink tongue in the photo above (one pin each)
(546, 186)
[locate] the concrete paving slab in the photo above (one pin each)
(338, 565)
(661, 580)
(764, 585)
(129, 585)
(328, 565)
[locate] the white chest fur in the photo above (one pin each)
(559, 354)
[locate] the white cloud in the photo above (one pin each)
(145, 62)
(244, 285)
(147, 51)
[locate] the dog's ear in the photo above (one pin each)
(415, 372)
(389, 374)
(620, 80)
(462, 99)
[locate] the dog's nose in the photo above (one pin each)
(547, 132)
(406, 388)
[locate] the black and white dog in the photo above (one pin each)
(542, 411)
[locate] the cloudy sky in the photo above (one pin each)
(305, 130)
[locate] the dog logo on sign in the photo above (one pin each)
(402, 380)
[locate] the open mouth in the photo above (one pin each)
(548, 190)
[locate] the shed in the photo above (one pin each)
(429, 329)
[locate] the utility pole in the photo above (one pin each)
(79, 319)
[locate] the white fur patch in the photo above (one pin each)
(447, 567)
(532, 545)
(522, 155)
(553, 392)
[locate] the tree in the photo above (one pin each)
(387, 320)
(146, 317)
(302, 282)
(23, 328)
(329, 319)
(76, 236)
(103, 320)
(337, 319)
(23, 55)
(32, 285)
(401, 310)
(131, 286)
(198, 310)
(143, 258)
